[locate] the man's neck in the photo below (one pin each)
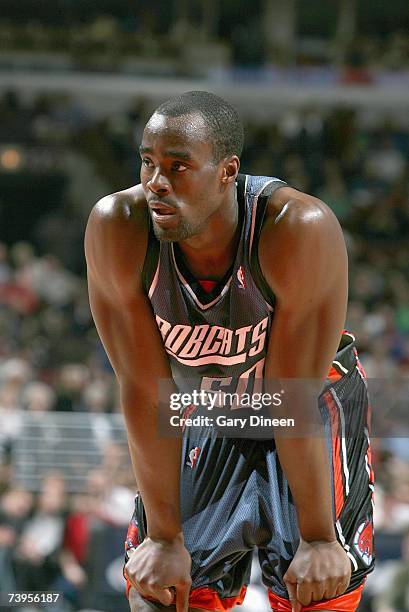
(211, 253)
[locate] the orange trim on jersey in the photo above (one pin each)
(334, 375)
(206, 598)
(339, 496)
(344, 603)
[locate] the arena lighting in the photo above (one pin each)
(11, 159)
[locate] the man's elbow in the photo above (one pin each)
(135, 392)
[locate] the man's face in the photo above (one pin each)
(180, 179)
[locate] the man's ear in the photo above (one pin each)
(230, 169)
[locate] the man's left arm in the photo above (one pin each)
(303, 258)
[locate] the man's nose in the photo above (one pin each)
(158, 183)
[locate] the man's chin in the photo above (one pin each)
(171, 234)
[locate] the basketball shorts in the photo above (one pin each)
(235, 498)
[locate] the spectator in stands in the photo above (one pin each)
(37, 555)
(15, 507)
(38, 397)
(396, 595)
(10, 418)
(74, 552)
(71, 385)
(107, 530)
(97, 401)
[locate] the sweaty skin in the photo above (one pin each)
(303, 258)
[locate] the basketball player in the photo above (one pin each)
(202, 273)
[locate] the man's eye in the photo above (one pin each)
(147, 162)
(179, 167)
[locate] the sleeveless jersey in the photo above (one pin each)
(216, 341)
(234, 493)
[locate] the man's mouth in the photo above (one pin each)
(161, 209)
(162, 213)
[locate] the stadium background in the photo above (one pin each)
(324, 91)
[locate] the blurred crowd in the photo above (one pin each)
(51, 360)
(68, 544)
(160, 37)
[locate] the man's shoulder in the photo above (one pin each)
(123, 205)
(300, 233)
(290, 209)
(117, 232)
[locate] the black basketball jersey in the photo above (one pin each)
(217, 340)
(234, 493)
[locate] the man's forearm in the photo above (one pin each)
(306, 464)
(156, 464)
(159, 485)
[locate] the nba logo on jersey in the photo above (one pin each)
(193, 457)
(240, 278)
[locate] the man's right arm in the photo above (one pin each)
(115, 246)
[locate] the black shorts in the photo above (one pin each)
(235, 498)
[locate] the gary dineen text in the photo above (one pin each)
(253, 420)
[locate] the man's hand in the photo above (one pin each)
(319, 570)
(158, 566)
